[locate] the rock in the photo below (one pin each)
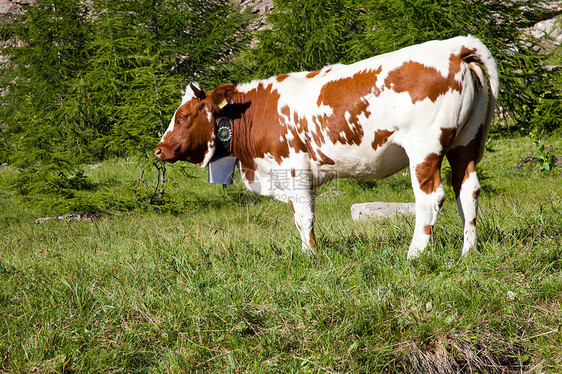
(256, 6)
(379, 210)
(8, 7)
(548, 34)
(529, 160)
(71, 217)
(331, 192)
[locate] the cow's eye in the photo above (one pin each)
(183, 118)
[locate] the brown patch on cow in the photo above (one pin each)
(347, 95)
(282, 77)
(467, 55)
(304, 144)
(258, 129)
(381, 137)
(447, 137)
(293, 174)
(476, 193)
(427, 229)
(304, 137)
(424, 82)
(441, 202)
(322, 159)
(327, 71)
(429, 173)
(312, 239)
(318, 137)
(286, 111)
(292, 206)
(473, 222)
(312, 74)
(248, 171)
(463, 161)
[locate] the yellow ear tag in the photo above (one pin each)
(223, 104)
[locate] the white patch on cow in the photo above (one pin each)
(247, 87)
(170, 126)
(290, 137)
(209, 153)
(468, 208)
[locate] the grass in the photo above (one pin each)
(215, 281)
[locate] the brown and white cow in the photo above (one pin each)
(370, 119)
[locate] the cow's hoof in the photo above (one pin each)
(413, 253)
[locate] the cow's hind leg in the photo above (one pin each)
(467, 188)
(430, 195)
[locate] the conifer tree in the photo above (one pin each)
(88, 79)
(304, 35)
(46, 52)
(145, 52)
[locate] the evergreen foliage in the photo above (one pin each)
(38, 82)
(306, 35)
(86, 80)
(89, 80)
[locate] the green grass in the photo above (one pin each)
(215, 281)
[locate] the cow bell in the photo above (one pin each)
(221, 170)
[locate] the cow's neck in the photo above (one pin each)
(255, 121)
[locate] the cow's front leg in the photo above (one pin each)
(303, 210)
(430, 195)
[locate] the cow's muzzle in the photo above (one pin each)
(158, 152)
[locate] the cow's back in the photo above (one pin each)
(355, 120)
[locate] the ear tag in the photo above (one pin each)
(223, 104)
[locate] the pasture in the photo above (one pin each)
(213, 280)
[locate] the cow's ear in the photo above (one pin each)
(222, 95)
(193, 91)
(198, 92)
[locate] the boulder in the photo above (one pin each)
(379, 210)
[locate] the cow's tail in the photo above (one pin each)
(478, 53)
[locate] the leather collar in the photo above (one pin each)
(224, 128)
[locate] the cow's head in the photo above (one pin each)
(191, 134)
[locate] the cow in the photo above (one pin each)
(370, 119)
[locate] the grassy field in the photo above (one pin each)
(214, 281)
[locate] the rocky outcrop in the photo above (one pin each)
(260, 7)
(548, 34)
(256, 6)
(12, 7)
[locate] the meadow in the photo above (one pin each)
(213, 280)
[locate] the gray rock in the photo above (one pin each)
(548, 34)
(71, 217)
(379, 210)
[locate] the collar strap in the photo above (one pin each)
(225, 126)
(225, 130)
